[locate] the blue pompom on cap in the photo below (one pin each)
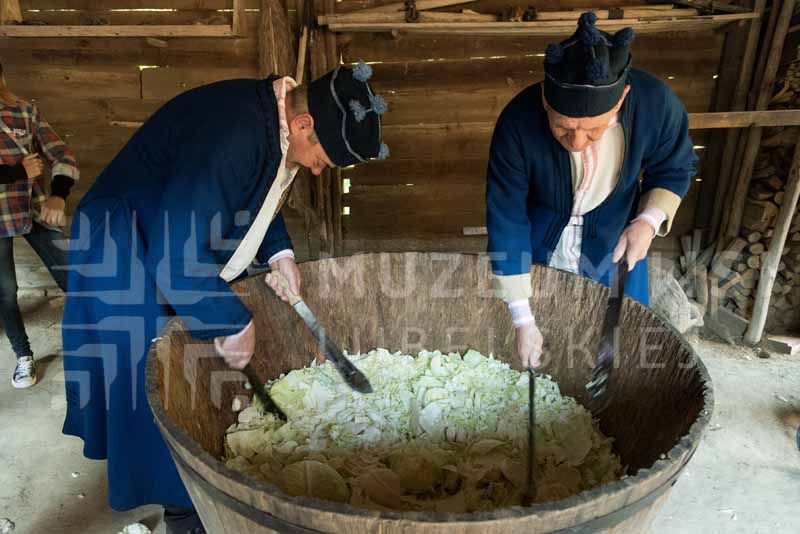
(591, 36)
(362, 72)
(378, 104)
(358, 110)
(596, 70)
(624, 37)
(383, 152)
(554, 54)
(587, 19)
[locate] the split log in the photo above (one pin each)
(779, 196)
(773, 257)
(701, 286)
(748, 279)
(686, 246)
(753, 237)
(771, 182)
(726, 258)
(756, 248)
(754, 262)
(784, 344)
(763, 172)
(793, 265)
(787, 137)
(760, 192)
(759, 215)
(697, 243)
(783, 304)
(741, 267)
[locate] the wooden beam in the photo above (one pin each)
(744, 119)
(712, 5)
(772, 62)
(422, 5)
(425, 17)
(769, 267)
(546, 27)
(196, 30)
(371, 17)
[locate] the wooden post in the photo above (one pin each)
(754, 135)
(763, 57)
(10, 11)
(743, 77)
(275, 42)
(301, 57)
(238, 11)
(769, 268)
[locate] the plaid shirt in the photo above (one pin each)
(23, 131)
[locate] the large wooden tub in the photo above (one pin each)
(661, 398)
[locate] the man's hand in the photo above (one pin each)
(53, 212)
(634, 243)
(288, 268)
(33, 165)
(237, 349)
(529, 345)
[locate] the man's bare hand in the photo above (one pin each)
(634, 243)
(238, 349)
(53, 212)
(529, 345)
(288, 268)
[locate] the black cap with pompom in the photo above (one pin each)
(347, 115)
(585, 75)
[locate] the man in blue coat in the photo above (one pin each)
(564, 186)
(189, 203)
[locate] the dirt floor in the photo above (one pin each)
(745, 476)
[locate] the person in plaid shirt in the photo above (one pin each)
(26, 139)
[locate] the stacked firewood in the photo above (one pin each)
(729, 277)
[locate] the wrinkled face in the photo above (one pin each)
(304, 147)
(575, 134)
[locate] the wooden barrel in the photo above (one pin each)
(660, 397)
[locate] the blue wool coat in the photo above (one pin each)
(529, 192)
(148, 242)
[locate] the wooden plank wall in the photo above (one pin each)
(444, 94)
(91, 89)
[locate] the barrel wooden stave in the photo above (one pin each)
(191, 390)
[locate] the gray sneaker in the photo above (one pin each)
(25, 373)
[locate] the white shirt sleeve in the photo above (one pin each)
(285, 253)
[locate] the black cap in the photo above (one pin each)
(585, 75)
(347, 115)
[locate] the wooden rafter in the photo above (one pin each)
(141, 30)
(546, 27)
(744, 119)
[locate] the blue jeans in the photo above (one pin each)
(43, 241)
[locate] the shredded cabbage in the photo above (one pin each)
(441, 432)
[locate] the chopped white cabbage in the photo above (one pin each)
(441, 432)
